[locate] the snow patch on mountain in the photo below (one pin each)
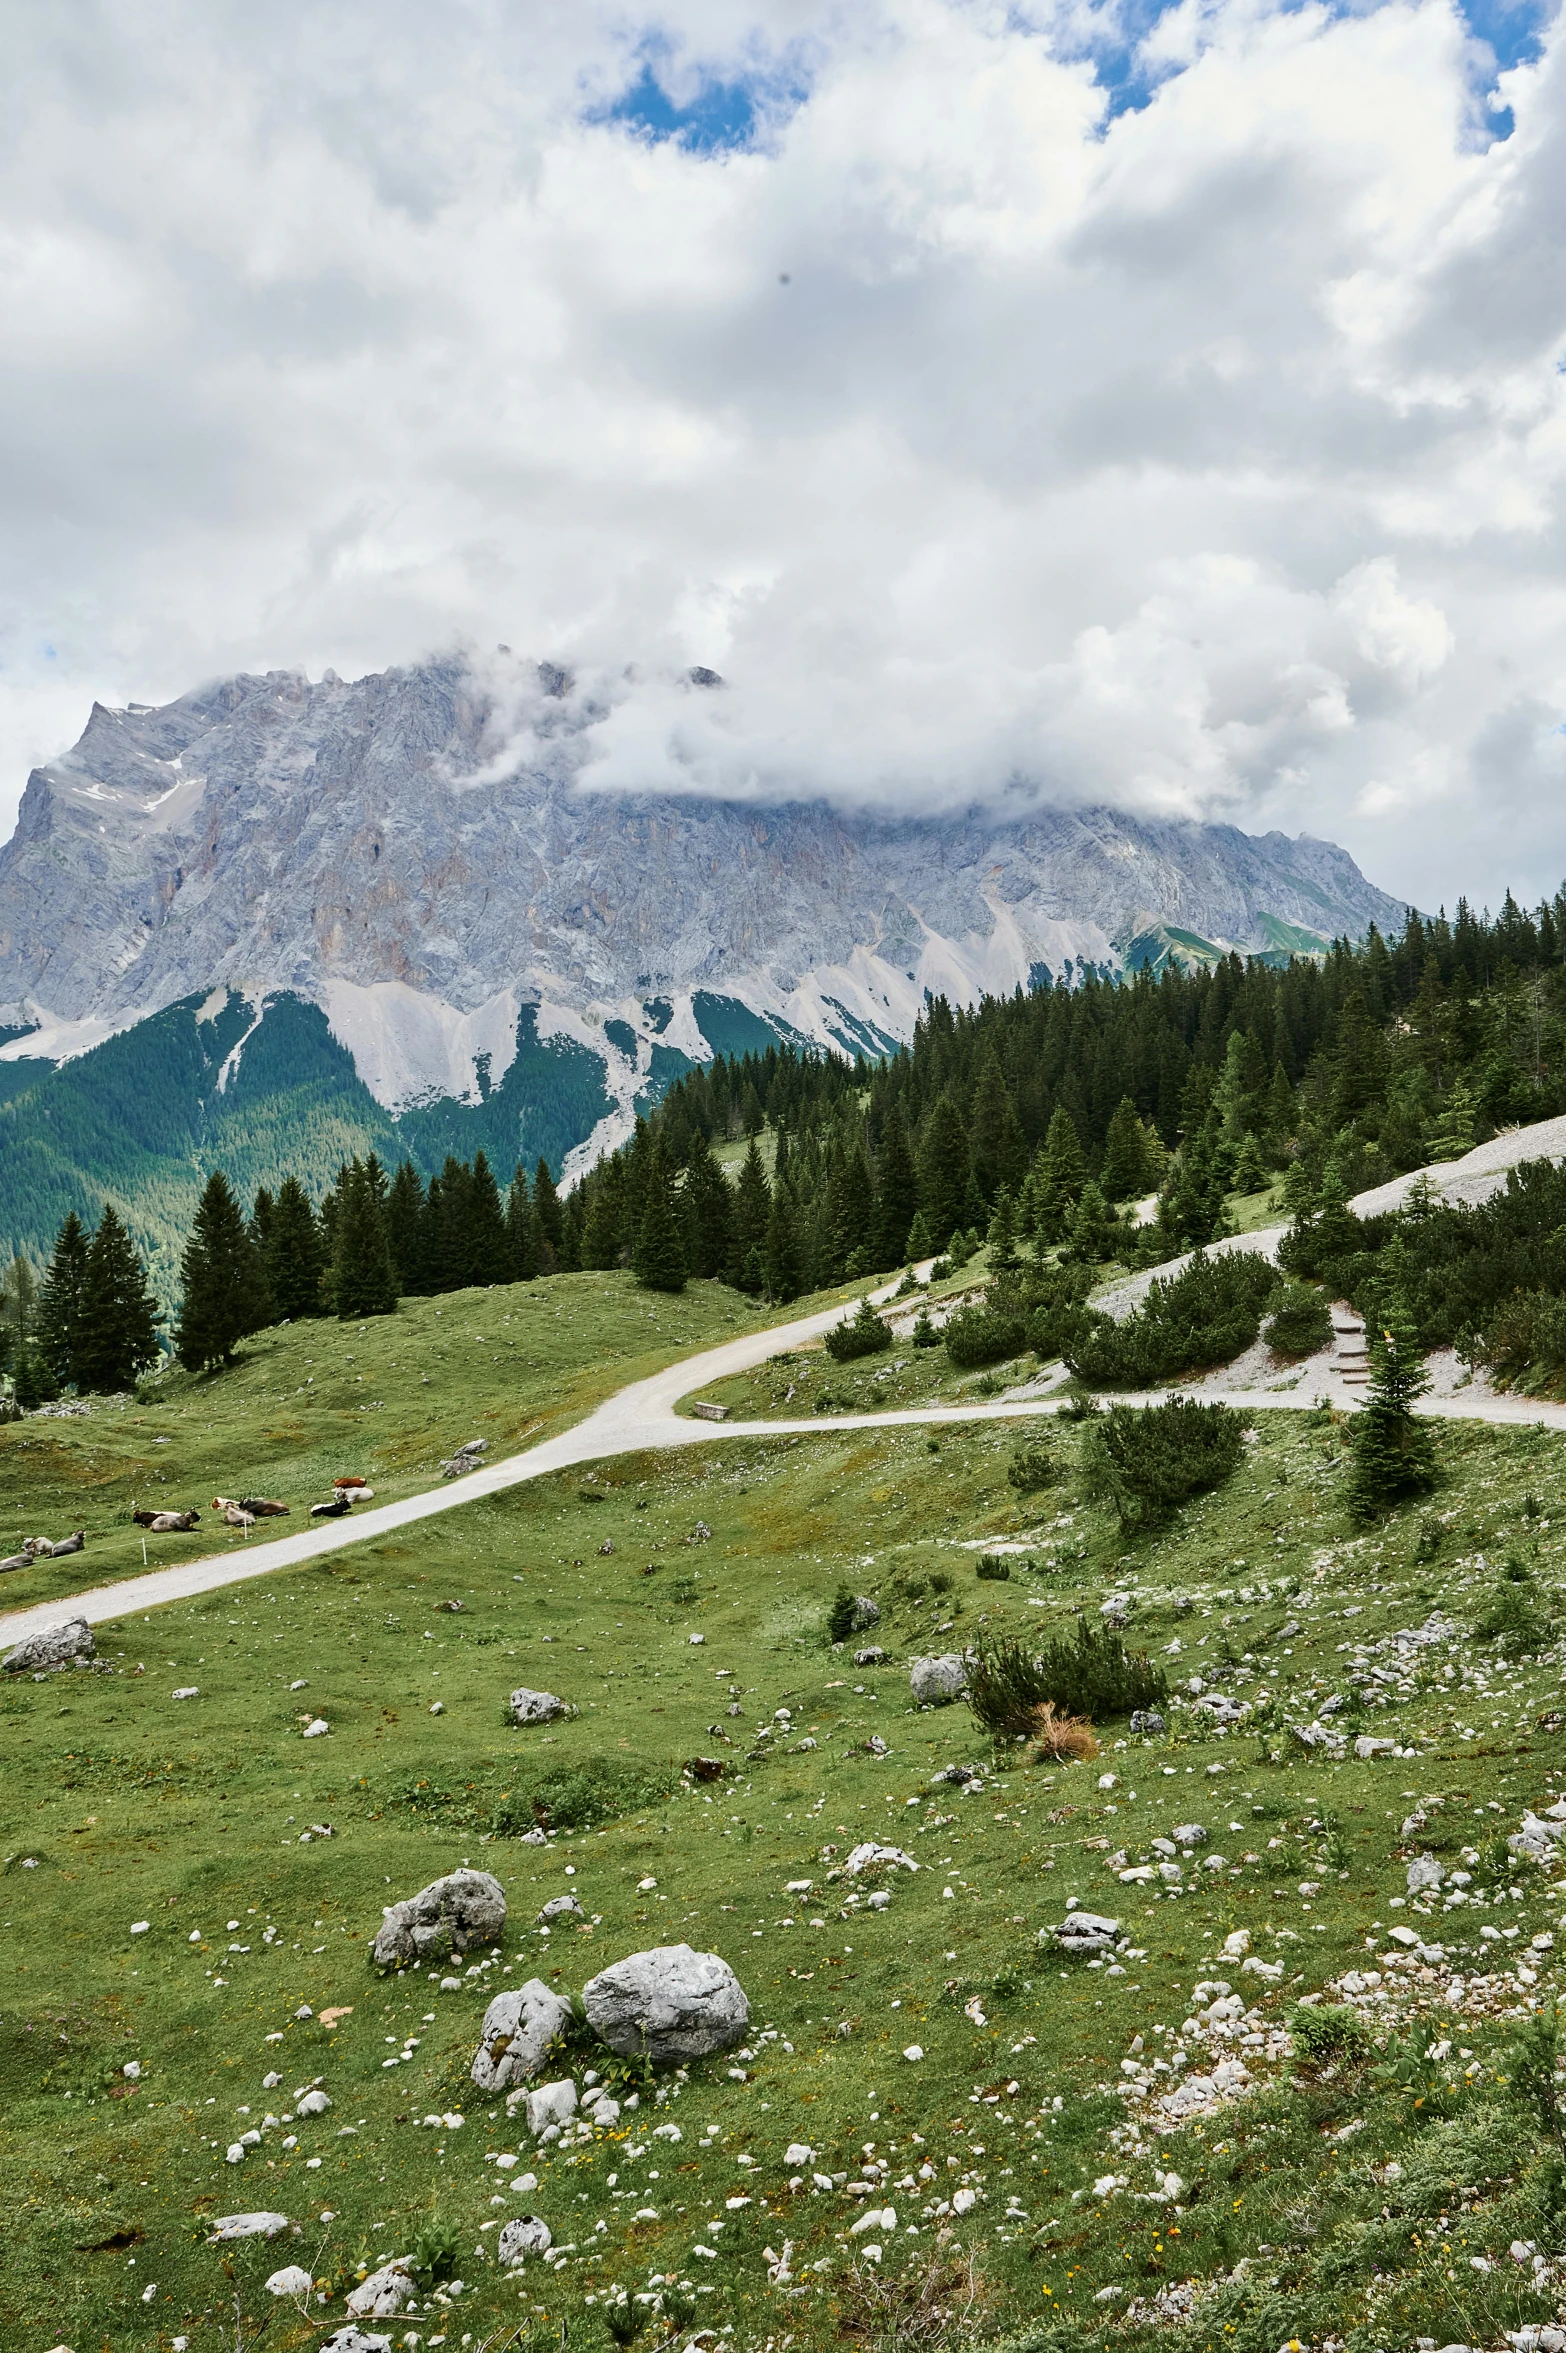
(410, 1047)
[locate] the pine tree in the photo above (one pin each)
(658, 1260)
(999, 1149)
(1250, 1169)
(752, 1213)
(781, 1260)
(58, 1328)
(1092, 1235)
(261, 1217)
(943, 1171)
(711, 1210)
(897, 1192)
(920, 1245)
(488, 1250)
(407, 1231)
(1124, 1176)
(119, 1316)
(222, 1279)
(1240, 1092)
(573, 1218)
(1394, 1453)
(447, 1222)
(1059, 1174)
(1002, 1236)
(295, 1254)
(603, 1242)
(1194, 1209)
(1450, 1135)
(853, 1218)
(548, 1218)
(363, 1279)
(521, 1234)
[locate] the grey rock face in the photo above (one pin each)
(535, 1707)
(55, 1647)
(524, 2236)
(465, 1908)
(281, 835)
(670, 2004)
(519, 2027)
(935, 1682)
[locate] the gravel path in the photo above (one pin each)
(643, 1416)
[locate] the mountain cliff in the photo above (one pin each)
(405, 891)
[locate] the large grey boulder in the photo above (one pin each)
(524, 2236)
(56, 1647)
(935, 1682)
(519, 2027)
(386, 2292)
(465, 1908)
(1084, 1933)
(535, 1707)
(667, 2005)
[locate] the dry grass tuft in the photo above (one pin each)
(922, 2307)
(1060, 1739)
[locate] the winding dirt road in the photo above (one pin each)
(642, 1416)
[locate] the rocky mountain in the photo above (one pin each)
(406, 891)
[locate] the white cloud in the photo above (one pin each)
(1206, 456)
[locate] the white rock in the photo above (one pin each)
(1238, 1941)
(316, 1729)
(140, 1927)
(313, 2104)
(236, 2153)
(964, 2201)
(56, 1647)
(355, 2340)
(1424, 1873)
(870, 1857)
(385, 2293)
(246, 2226)
(877, 2218)
(670, 2005)
(465, 1908)
(796, 2154)
(524, 2236)
(936, 1681)
(292, 2280)
(552, 2103)
(187, 1691)
(519, 2028)
(535, 1707)
(914, 2051)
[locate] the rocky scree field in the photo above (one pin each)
(1288, 2094)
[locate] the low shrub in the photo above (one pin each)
(1203, 1316)
(994, 1565)
(1329, 2034)
(1299, 1320)
(924, 1333)
(843, 1616)
(1032, 1468)
(863, 1334)
(983, 1335)
(1148, 1460)
(1089, 1675)
(581, 1797)
(1515, 1618)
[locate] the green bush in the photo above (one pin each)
(924, 1334)
(1148, 1460)
(1203, 1316)
(1515, 1617)
(1299, 1321)
(1090, 1673)
(840, 1617)
(864, 1334)
(983, 1335)
(1329, 2034)
(1031, 1468)
(581, 1797)
(994, 1565)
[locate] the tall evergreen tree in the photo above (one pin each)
(407, 1231)
(488, 1249)
(520, 1234)
(897, 1191)
(752, 1212)
(1059, 1174)
(853, 1237)
(548, 1218)
(363, 1279)
(295, 1256)
(222, 1279)
(58, 1329)
(999, 1150)
(782, 1263)
(119, 1316)
(658, 1260)
(447, 1220)
(943, 1171)
(710, 1207)
(1124, 1175)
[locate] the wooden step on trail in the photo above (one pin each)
(1350, 1355)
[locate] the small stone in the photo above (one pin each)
(292, 2280)
(914, 2051)
(561, 1907)
(523, 2236)
(187, 1691)
(872, 1656)
(1147, 1721)
(313, 2104)
(520, 2027)
(316, 1729)
(385, 2293)
(246, 2226)
(552, 2104)
(870, 1857)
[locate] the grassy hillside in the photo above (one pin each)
(1318, 2199)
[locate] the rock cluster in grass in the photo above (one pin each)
(451, 1914)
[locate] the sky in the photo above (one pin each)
(1088, 401)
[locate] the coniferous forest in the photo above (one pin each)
(1030, 1123)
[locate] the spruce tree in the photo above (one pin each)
(447, 1223)
(752, 1212)
(521, 1235)
(261, 1217)
(1002, 1236)
(548, 1218)
(1394, 1452)
(1059, 1174)
(999, 1150)
(119, 1316)
(363, 1279)
(1124, 1175)
(603, 1229)
(943, 1171)
(711, 1206)
(488, 1250)
(854, 1217)
(573, 1220)
(782, 1265)
(407, 1231)
(658, 1260)
(222, 1279)
(58, 1328)
(897, 1191)
(295, 1254)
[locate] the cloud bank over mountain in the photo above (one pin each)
(1012, 405)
